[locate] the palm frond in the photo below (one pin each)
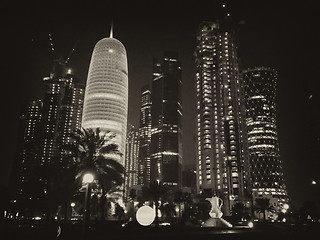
(109, 136)
(110, 175)
(108, 163)
(110, 148)
(94, 153)
(111, 163)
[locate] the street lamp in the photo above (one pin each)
(87, 180)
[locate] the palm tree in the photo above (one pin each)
(95, 153)
(182, 197)
(239, 211)
(155, 191)
(178, 198)
(263, 204)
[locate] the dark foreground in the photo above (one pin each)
(109, 231)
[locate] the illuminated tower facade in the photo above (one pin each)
(144, 137)
(265, 165)
(166, 119)
(61, 115)
(70, 112)
(106, 94)
(131, 160)
(221, 149)
(47, 129)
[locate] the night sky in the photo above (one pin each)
(284, 36)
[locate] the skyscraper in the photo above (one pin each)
(106, 94)
(144, 137)
(220, 112)
(70, 112)
(166, 118)
(47, 127)
(61, 114)
(131, 160)
(265, 164)
(27, 144)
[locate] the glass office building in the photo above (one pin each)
(166, 119)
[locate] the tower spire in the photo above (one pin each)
(111, 30)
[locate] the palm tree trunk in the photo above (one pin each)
(157, 217)
(102, 205)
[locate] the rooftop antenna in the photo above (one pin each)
(111, 30)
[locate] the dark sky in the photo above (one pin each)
(284, 36)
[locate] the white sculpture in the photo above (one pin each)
(216, 204)
(215, 213)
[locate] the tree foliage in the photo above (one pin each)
(263, 205)
(154, 192)
(94, 152)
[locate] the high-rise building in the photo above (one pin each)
(106, 94)
(27, 141)
(47, 128)
(131, 160)
(61, 115)
(166, 118)
(221, 148)
(144, 137)
(70, 112)
(265, 165)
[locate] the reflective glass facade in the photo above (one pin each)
(166, 118)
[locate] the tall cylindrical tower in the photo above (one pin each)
(106, 94)
(265, 165)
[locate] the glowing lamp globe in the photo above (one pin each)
(145, 215)
(88, 178)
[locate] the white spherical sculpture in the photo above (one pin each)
(145, 215)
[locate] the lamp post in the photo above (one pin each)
(87, 180)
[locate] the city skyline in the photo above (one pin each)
(267, 39)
